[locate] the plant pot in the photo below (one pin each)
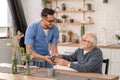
(89, 6)
(63, 20)
(71, 20)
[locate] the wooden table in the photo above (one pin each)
(6, 76)
(41, 74)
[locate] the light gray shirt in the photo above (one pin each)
(90, 62)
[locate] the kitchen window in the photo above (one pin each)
(5, 18)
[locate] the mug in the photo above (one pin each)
(51, 72)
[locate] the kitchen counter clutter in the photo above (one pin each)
(41, 74)
(114, 46)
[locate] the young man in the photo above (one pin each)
(42, 36)
(88, 57)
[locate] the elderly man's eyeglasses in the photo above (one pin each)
(82, 39)
(50, 21)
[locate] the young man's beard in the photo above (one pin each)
(48, 26)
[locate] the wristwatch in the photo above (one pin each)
(69, 65)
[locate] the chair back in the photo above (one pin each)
(106, 61)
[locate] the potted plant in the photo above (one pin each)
(46, 3)
(14, 44)
(64, 17)
(89, 6)
(118, 38)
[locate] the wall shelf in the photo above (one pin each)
(78, 23)
(72, 11)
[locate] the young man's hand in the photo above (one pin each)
(48, 59)
(56, 54)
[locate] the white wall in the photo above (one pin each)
(3, 13)
(32, 9)
(5, 51)
(106, 17)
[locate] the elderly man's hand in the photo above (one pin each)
(57, 54)
(62, 62)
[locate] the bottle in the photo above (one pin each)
(63, 38)
(63, 7)
(89, 19)
(82, 30)
(14, 64)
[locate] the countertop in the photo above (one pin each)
(112, 46)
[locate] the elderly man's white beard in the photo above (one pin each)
(83, 46)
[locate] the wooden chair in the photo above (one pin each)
(106, 61)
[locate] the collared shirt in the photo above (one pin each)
(85, 52)
(36, 37)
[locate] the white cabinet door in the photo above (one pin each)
(115, 61)
(106, 55)
(115, 55)
(115, 68)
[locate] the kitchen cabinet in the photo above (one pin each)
(106, 55)
(115, 61)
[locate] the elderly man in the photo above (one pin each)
(88, 56)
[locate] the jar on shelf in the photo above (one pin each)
(57, 9)
(89, 19)
(63, 37)
(63, 6)
(71, 20)
(70, 34)
(75, 38)
(62, 34)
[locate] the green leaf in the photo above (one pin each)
(22, 50)
(117, 36)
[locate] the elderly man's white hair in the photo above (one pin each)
(92, 38)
